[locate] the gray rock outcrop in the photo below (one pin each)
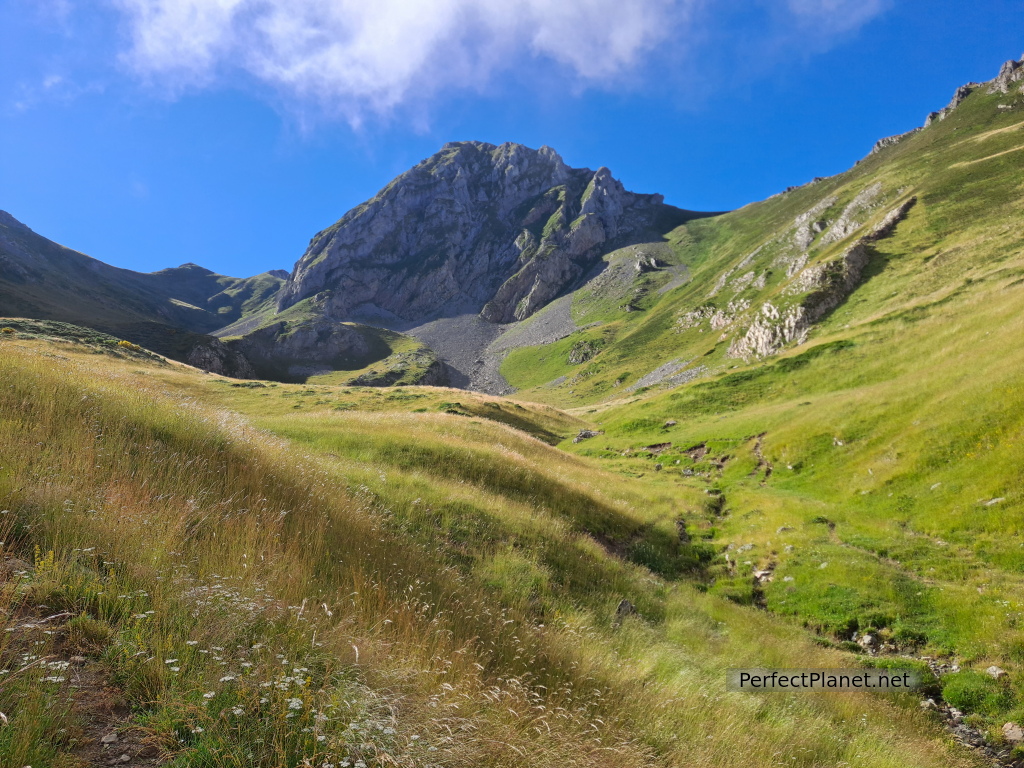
(822, 287)
(959, 96)
(290, 350)
(1010, 73)
(849, 220)
(499, 230)
(891, 141)
(217, 357)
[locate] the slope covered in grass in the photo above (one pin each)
(259, 585)
(874, 467)
(962, 177)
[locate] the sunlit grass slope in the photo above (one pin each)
(371, 584)
(877, 467)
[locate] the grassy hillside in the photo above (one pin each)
(965, 174)
(227, 573)
(806, 450)
(873, 470)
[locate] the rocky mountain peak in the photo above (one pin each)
(1010, 73)
(476, 227)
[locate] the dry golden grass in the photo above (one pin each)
(281, 600)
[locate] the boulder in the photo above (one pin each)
(1010, 73)
(1013, 733)
(625, 609)
(996, 673)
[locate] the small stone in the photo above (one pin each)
(77, 659)
(124, 759)
(995, 672)
(110, 738)
(670, 423)
(866, 641)
(783, 528)
(929, 704)
(625, 609)
(657, 467)
(1013, 733)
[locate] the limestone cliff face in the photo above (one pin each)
(820, 288)
(499, 230)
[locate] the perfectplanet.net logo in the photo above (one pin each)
(749, 680)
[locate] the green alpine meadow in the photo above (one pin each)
(515, 465)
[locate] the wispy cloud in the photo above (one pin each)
(832, 17)
(51, 89)
(355, 58)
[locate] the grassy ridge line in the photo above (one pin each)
(183, 506)
(966, 174)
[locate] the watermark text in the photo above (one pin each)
(821, 680)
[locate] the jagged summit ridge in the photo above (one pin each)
(1011, 73)
(499, 230)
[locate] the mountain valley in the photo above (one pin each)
(514, 464)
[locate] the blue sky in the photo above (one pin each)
(149, 133)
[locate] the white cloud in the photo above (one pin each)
(359, 57)
(370, 56)
(832, 17)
